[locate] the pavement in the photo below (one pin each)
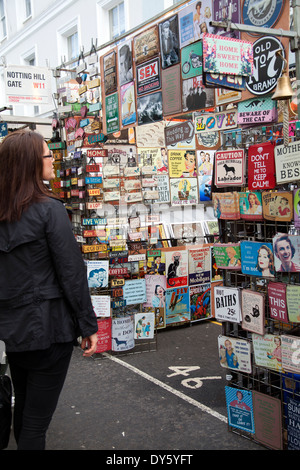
(169, 401)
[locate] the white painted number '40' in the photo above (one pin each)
(192, 382)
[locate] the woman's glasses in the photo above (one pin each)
(48, 156)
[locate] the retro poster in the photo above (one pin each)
(227, 255)
(261, 166)
(267, 351)
(182, 163)
(277, 301)
(122, 333)
(200, 302)
(148, 77)
(293, 422)
(251, 205)
(235, 353)
(146, 45)
(240, 409)
(163, 188)
(293, 302)
(184, 191)
(205, 161)
(177, 268)
(101, 305)
(103, 335)
(155, 291)
(196, 96)
(253, 311)
(191, 61)
(221, 10)
(144, 325)
(229, 168)
(128, 111)
(287, 252)
(149, 109)
(227, 304)
(125, 63)
(257, 259)
(290, 349)
(97, 273)
(199, 265)
(268, 420)
(169, 41)
(254, 111)
(287, 162)
(227, 55)
(177, 305)
(194, 21)
(278, 205)
(226, 205)
(112, 113)
(110, 76)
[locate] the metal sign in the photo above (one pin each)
(261, 13)
(178, 133)
(267, 66)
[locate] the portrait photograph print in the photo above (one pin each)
(286, 252)
(169, 42)
(125, 63)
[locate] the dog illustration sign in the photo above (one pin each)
(229, 168)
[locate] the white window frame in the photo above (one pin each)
(62, 39)
(3, 19)
(103, 18)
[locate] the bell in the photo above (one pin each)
(284, 89)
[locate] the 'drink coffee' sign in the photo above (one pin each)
(27, 85)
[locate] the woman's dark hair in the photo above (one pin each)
(21, 173)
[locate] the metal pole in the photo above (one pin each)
(295, 47)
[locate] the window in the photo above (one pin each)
(73, 49)
(117, 20)
(3, 31)
(28, 11)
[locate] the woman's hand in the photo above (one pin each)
(89, 345)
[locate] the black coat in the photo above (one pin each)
(44, 294)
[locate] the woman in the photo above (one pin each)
(45, 303)
(265, 261)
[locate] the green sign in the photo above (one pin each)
(112, 113)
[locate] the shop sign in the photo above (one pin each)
(27, 85)
(257, 111)
(267, 66)
(218, 80)
(216, 121)
(261, 13)
(227, 55)
(148, 77)
(178, 133)
(287, 161)
(96, 153)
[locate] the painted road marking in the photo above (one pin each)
(166, 387)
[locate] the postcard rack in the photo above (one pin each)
(278, 384)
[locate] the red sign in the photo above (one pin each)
(148, 77)
(261, 166)
(114, 271)
(103, 335)
(96, 153)
(92, 168)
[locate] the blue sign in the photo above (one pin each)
(260, 13)
(3, 129)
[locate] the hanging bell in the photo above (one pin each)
(284, 89)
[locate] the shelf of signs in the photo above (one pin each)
(258, 252)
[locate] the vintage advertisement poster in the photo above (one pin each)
(235, 353)
(122, 333)
(184, 191)
(278, 205)
(261, 166)
(226, 205)
(268, 420)
(177, 268)
(227, 304)
(286, 252)
(205, 161)
(146, 45)
(251, 205)
(97, 273)
(229, 168)
(171, 84)
(112, 113)
(227, 255)
(155, 291)
(293, 302)
(177, 305)
(144, 325)
(293, 422)
(199, 265)
(200, 302)
(240, 409)
(290, 353)
(103, 335)
(267, 351)
(287, 161)
(221, 10)
(148, 77)
(191, 60)
(227, 55)
(110, 75)
(253, 311)
(257, 111)
(182, 163)
(128, 110)
(194, 21)
(257, 259)
(277, 301)
(169, 41)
